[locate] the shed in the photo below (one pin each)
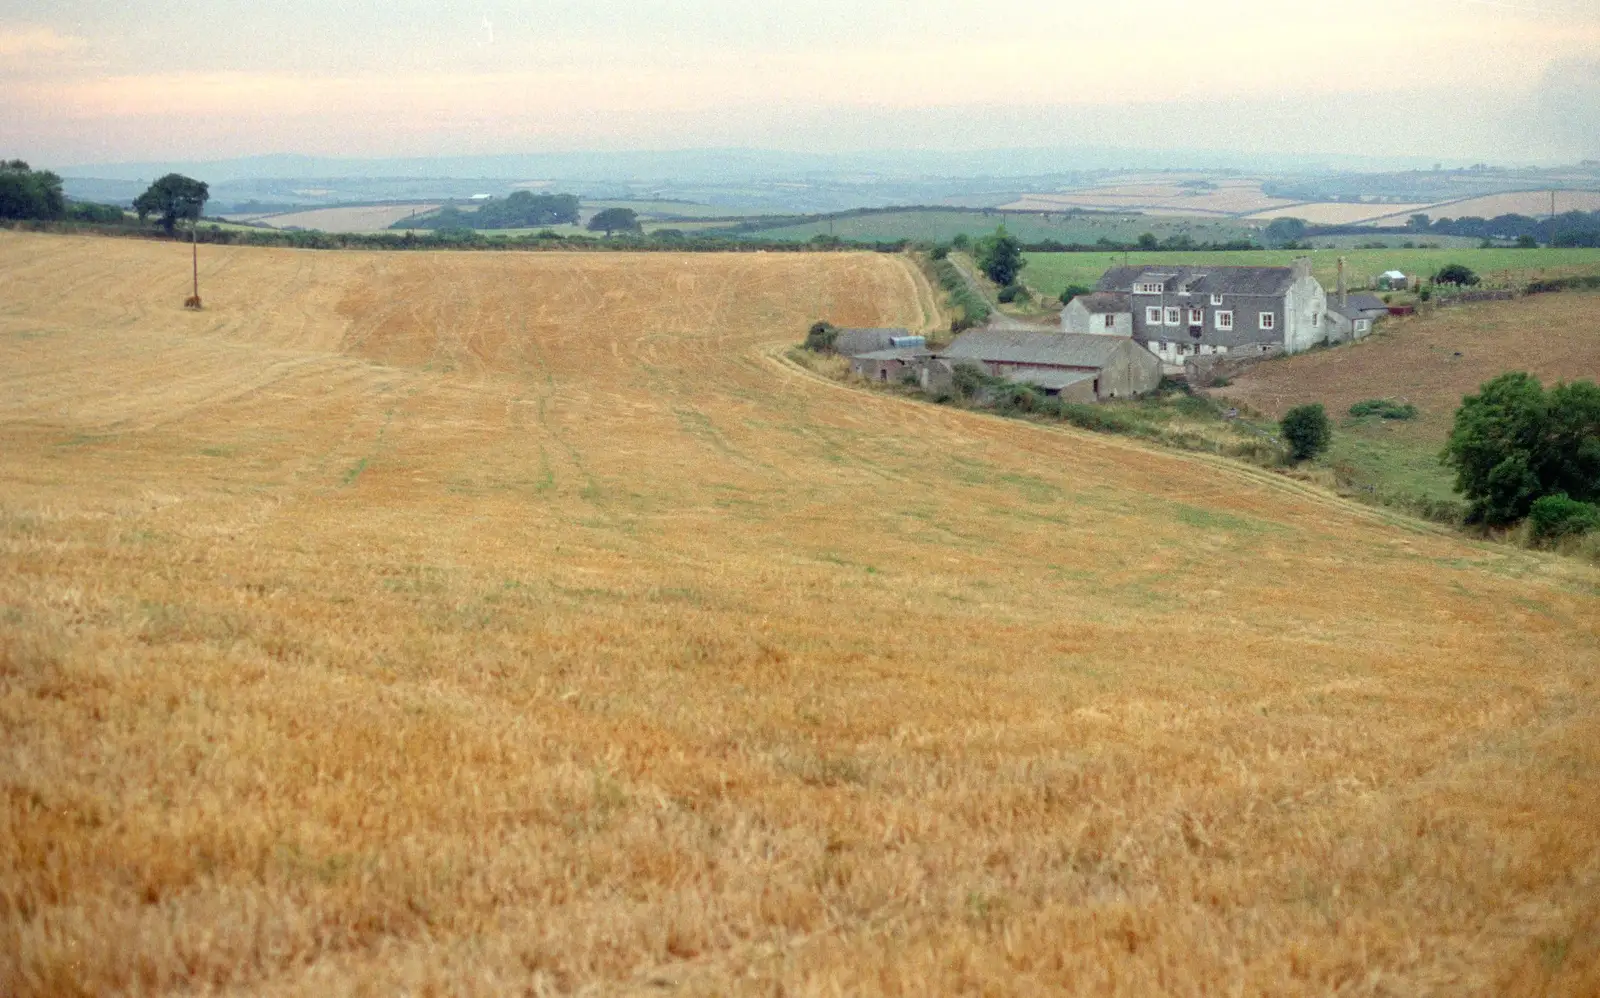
(1393, 280)
(1120, 368)
(853, 342)
(888, 365)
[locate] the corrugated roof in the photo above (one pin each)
(1019, 347)
(853, 342)
(1202, 280)
(896, 353)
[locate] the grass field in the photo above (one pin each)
(1431, 361)
(1049, 273)
(522, 623)
(942, 226)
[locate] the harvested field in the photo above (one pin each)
(521, 623)
(1223, 198)
(1341, 212)
(1533, 203)
(370, 218)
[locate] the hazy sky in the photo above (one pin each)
(84, 82)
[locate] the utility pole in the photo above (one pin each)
(194, 252)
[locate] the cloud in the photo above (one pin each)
(25, 42)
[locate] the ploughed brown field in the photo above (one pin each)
(523, 623)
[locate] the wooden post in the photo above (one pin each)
(194, 246)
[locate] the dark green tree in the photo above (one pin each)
(821, 336)
(614, 220)
(1307, 431)
(173, 198)
(1513, 443)
(1148, 241)
(1285, 232)
(1074, 290)
(1456, 273)
(26, 193)
(1000, 257)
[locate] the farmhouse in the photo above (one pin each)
(1351, 317)
(1078, 367)
(1178, 312)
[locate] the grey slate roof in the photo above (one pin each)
(1105, 302)
(854, 342)
(1260, 281)
(1358, 306)
(894, 353)
(1044, 349)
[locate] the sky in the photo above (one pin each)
(1460, 80)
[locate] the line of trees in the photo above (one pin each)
(1574, 228)
(521, 210)
(29, 193)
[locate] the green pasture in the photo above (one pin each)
(1049, 273)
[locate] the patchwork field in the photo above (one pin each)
(941, 226)
(522, 623)
(366, 218)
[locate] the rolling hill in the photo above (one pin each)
(479, 623)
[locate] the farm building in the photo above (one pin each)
(1076, 366)
(890, 364)
(1393, 280)
(1104, 313)
(1177, 312)
(1352, 317)
(854, 342)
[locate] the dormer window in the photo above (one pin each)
(1216, 299)
(1149, 288)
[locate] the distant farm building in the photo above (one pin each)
(1393, 280)
(1078, 367)
(1104, 313)
(1352, 316)
(854, 342)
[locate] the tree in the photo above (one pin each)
(1456, 273)
(1148, 241)
(615, 220)
(174, 198)
(1072, 291)
(1307, 430)
(1513, 443)
(1285, 231)
(1418, 223)
(1526, 241)
(1000, 257)
(821, 336)
(26, 193)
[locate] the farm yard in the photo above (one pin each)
(524, 622)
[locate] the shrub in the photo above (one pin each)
(1558, 515)
(1072, 291)
(940, 252)
(1456, 273)
(820, 337)
(1425, 294)
(1307, 431)
(1384, 409)
(1014, 293)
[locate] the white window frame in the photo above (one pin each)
(1197, 316)
(1111, 320)
(1224, 320)
(1362, 325)
(1152, 315)
(1269, 321)
(1174, 315)
(1150, 288)
(1216, 299)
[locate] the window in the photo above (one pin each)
(1216, 299)
(1152, 315)
(1225, 321)
(1269, 320)
(1362, 325)
(1174, 314)
(1197, 317)
(1149, 288)
(1111, 321)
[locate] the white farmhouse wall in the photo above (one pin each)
(1076, 318)
(1305, 307)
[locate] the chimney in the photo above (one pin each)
(1344, 294)
(1302, 267)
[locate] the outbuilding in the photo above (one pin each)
(1073, 364)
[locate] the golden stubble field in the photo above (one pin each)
(521, 624)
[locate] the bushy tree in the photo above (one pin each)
(1148, 241)
(1456, 273)
(614, 220)
(27, 193)
(174, 198)
(1514, 443)
(1307, 431)
(1000, 257)
(1285, 232)
(821, 336)
(1561, 515)
(1072, 291)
